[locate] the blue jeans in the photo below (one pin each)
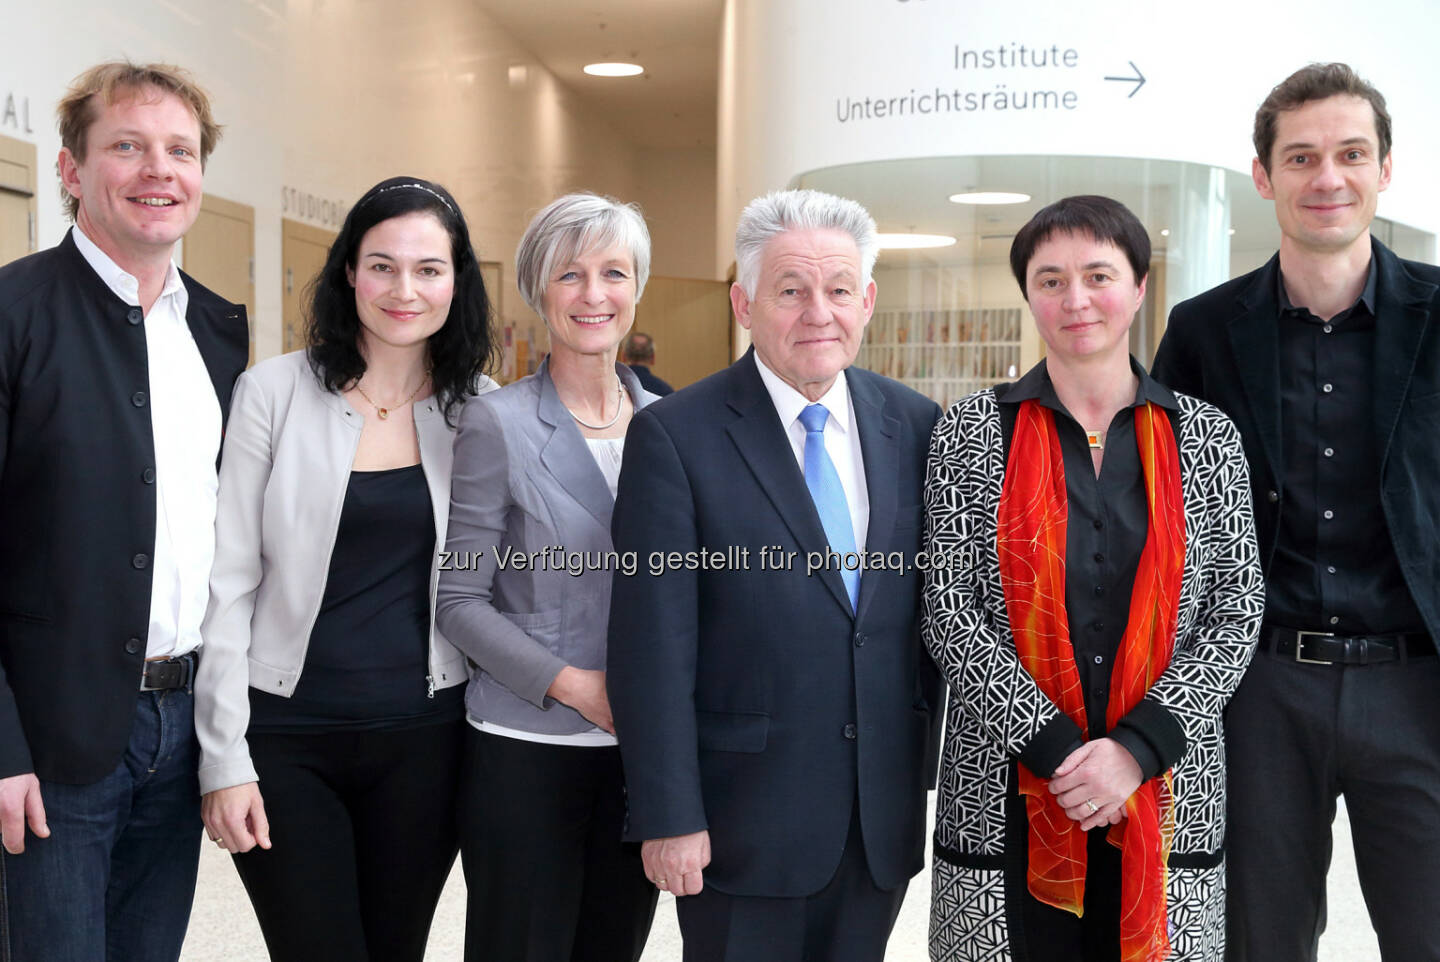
(115, 879)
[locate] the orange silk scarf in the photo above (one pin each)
(1031, 522)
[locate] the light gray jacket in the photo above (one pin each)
(289, 448)
(526, 481)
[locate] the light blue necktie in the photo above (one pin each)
(829, 496)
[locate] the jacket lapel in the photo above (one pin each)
(764, 446)
(1401, 325)
(566, 457)
(1255, 338)
(880, 447)
(221, 335)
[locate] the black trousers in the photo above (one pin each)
(1054, 935)
(363, 832)
(1299, 735)
(849, 920)
(548, 878)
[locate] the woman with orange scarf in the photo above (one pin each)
(1093, 599)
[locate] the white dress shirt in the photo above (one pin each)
(185, 422)
(842, 439)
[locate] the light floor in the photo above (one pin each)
(223, 928)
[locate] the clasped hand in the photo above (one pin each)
(1093, 784)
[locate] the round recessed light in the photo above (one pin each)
(906, 242)
(613, 69)
(1165, 232)
(1232, 232)
(989, 197)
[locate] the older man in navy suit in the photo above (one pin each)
(772, 698)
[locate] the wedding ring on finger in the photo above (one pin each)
(1093, 807)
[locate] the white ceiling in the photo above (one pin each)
(672, 104)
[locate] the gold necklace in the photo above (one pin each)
(384, 412)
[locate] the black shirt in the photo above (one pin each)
(367, 663)
(1109, 519)
(1334, 567)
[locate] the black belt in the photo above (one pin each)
(1325, 648)
(167, 673)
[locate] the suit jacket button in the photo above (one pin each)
(138, 399)
(859, 639)
(133, 646)
(135, 315)
(1272, 496)
(850, 732)
(148, 475)
(140, 561)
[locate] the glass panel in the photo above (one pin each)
(951, 320)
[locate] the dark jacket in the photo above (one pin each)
(77, 506)
(650, 381)
(1223, 347)
(751, 701)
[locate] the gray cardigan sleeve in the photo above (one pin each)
(222, 681)
(482, 503)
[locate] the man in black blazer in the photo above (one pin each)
(774, 704)
(1328, 361)
(115, 375)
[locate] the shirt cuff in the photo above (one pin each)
(1051, 746)
(1150, 732)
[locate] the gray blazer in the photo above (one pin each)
(289, 447)
(524, 481)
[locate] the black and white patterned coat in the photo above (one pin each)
(995, 708)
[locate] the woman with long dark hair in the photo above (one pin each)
(328, 707)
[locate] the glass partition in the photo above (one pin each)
(950, 320)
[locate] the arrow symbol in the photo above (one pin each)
(1138, 80)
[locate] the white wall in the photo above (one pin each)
(327, 98)
(791, 67)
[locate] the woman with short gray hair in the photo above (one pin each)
(526, 595)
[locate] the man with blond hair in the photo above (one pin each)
(115, 377)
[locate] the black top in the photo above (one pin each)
(1334, 567)
(1104, 537)
(650, 382)
(368, 659)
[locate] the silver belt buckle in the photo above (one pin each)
(1300, 647)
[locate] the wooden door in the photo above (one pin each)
(689, 320)
(17, 199)
(302, 253)
(219, 252)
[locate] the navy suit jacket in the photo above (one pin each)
(1224, 347)
(752, 702)
(77, 506)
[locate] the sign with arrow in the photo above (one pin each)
(1138, 80)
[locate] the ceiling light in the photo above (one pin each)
(1165, 232)
(613, 69)
(989, 197)
(1232, 232)
(904, 242)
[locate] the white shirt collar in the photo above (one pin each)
(124, 286)
(790, 402)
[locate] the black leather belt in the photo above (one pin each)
(1325, 648)
(168, 673)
